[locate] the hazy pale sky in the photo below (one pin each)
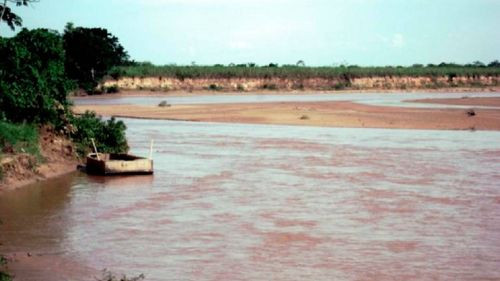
(320, 32)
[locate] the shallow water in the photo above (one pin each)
(380, 99)
(260, 202)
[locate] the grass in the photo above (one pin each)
(344, 73)
(19, 138)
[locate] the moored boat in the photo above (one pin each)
(118, 164)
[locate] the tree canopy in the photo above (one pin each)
(33, 84)
(90, 54)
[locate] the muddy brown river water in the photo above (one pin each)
(260, 202)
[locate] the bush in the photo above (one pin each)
(240, 87)
(270, 87)
(214, 87)
(109, 135)
(112, 89)
(33, 84)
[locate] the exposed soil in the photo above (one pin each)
(302, 84)
(22, 169)
(329, 114)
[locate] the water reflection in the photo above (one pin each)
(35, 218)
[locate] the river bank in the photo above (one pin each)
(58, 158)
(250, 84)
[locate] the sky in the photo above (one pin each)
(319, 32)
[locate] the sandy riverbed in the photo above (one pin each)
(464, 101)
(327, 114)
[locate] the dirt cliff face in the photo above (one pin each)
(286, 84)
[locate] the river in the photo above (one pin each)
(259, 202)
(377, 99)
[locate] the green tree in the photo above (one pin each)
(90, 54)
(494, 63)
(33, 83)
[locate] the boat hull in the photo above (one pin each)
(118, 164)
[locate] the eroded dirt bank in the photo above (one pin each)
(327, 114)
(317, 84)
(58, 158)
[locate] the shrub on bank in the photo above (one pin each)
(109, 135)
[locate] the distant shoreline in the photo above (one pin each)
(294, 84)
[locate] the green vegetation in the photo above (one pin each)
(33, 84)
(111, 89)
(19, 138)
(214, 87)
(110, 276)
(109, 135)
(33, 92)
(4, 276)
(90, 54)
(302, 72)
